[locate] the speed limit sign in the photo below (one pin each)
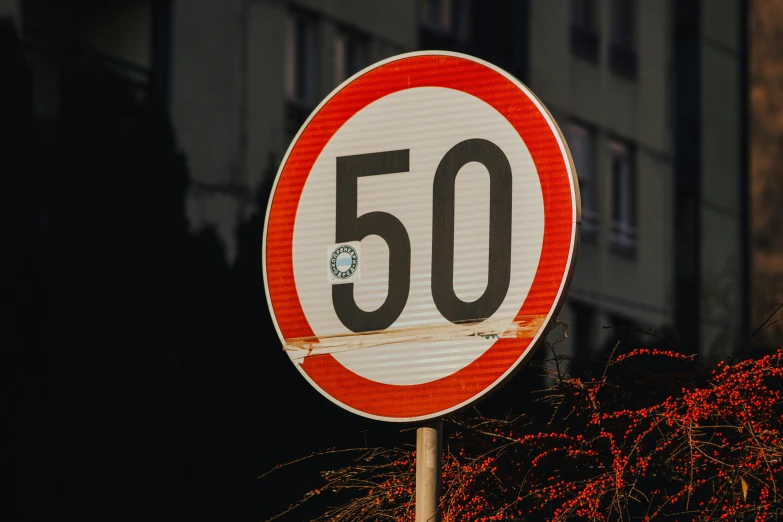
(420, 236)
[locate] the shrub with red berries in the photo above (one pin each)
(655, 436)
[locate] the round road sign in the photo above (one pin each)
(420, 235)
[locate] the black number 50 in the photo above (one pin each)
(350, 227)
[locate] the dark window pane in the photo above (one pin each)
(584, 29)
(623, 28)
(583, 15)
(617, 187)
(632, 186)
(356, 58)
(463, 29)
(300, 56)
(431, 11)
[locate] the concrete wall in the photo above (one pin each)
(721, 178)
(395, 22)
(228, 100)
(12, 10)
(124, 31)
(121, 31)
(205, 109)
(266, 94)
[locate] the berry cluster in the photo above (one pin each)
(681, 443)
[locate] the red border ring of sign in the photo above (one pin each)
(561, 207)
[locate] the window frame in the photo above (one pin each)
(585, 163)
(584, 30)
(448, 17)
(349, 46)
(623, 45)
(623, 232)
(301, 58)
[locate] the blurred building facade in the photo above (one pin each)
(766, 100)
(650, 95)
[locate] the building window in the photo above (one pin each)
(300, 70)
(581, 142)
(623, 228)
(622, 49)
(300, 62)
(350, 54)
(448, 16)
(584, 29)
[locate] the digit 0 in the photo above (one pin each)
(492, 157)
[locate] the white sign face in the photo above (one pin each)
(442, 193)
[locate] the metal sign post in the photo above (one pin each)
(420, 236)
(428, 471)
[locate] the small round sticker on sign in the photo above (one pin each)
(343, 261)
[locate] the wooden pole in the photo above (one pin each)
(428, 470)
